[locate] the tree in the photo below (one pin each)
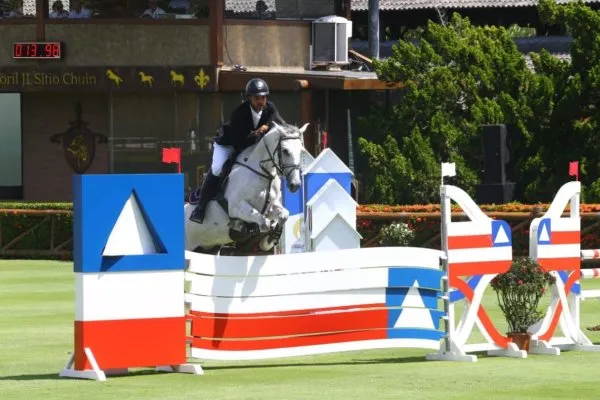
(569, 130)
(457, 78)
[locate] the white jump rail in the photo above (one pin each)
(589, 255)
(590, 273)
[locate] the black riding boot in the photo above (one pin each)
(207, 192)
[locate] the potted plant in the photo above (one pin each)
(519, 291)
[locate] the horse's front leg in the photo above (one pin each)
(244, 211)
(278, 213)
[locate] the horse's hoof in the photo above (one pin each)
(266, 244)
(282, 217)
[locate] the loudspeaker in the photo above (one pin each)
(495, 153)
(495, 193)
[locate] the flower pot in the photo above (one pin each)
(521, 339)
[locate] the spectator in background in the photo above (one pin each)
(16, 9)
(58, 11)
(261, 9)
(180, 6)
(78, 11)
(153, 11)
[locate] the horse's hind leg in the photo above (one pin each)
(246, 212)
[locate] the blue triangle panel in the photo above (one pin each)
(315, 181)
(576, 289)
(394, 297)
(544, 225)
(406, 277)
(97, 204)
(497, 226)
(394, 314)
(414, 333)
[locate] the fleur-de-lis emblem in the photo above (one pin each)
(201, 79)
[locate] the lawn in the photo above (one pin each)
(37, 309)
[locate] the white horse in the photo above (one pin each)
(252, 208)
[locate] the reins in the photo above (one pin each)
(279, 167)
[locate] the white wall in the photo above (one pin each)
(10, 140)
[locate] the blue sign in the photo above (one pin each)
(141, 204)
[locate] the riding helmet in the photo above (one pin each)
(257, 87)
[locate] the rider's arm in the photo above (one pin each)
(241, 135)
(275, 116)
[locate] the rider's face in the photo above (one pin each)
(258, 102)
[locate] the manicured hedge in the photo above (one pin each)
(17, 218)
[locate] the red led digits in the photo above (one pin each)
(18, 50)
(39, 50)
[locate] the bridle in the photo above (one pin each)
(280, 168)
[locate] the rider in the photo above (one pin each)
(249, 121)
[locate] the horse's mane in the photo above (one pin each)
(289, 130)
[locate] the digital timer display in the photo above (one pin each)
(37, 50)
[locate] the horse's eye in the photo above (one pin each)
(286, 152)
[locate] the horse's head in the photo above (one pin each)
(291, 145)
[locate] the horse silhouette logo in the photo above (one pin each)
(177, 78)
(79, 150)
(112, 76)
(146, 79)
(201, 79)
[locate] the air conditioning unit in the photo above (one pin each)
(330, 40)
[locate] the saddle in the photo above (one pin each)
(194, 197)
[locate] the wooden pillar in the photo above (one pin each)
(306, 115)
(343, 8)
(217, 13)
(41, 11)
(347, 9)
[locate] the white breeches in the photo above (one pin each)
(220, 155)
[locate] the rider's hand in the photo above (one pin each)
(261, 130)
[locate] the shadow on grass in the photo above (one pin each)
(395, 360)
(32, 377)
(54, 376)
(149, 371)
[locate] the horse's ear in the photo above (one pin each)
(303, 129)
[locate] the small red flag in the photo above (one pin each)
(324, 140)
(574, 169)
(172, 155)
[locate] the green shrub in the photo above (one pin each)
(396, 234)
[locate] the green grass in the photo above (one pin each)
(36, 332)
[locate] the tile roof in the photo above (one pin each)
(363, 5)
(558, 46)
(246, 6)
(554, 44)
